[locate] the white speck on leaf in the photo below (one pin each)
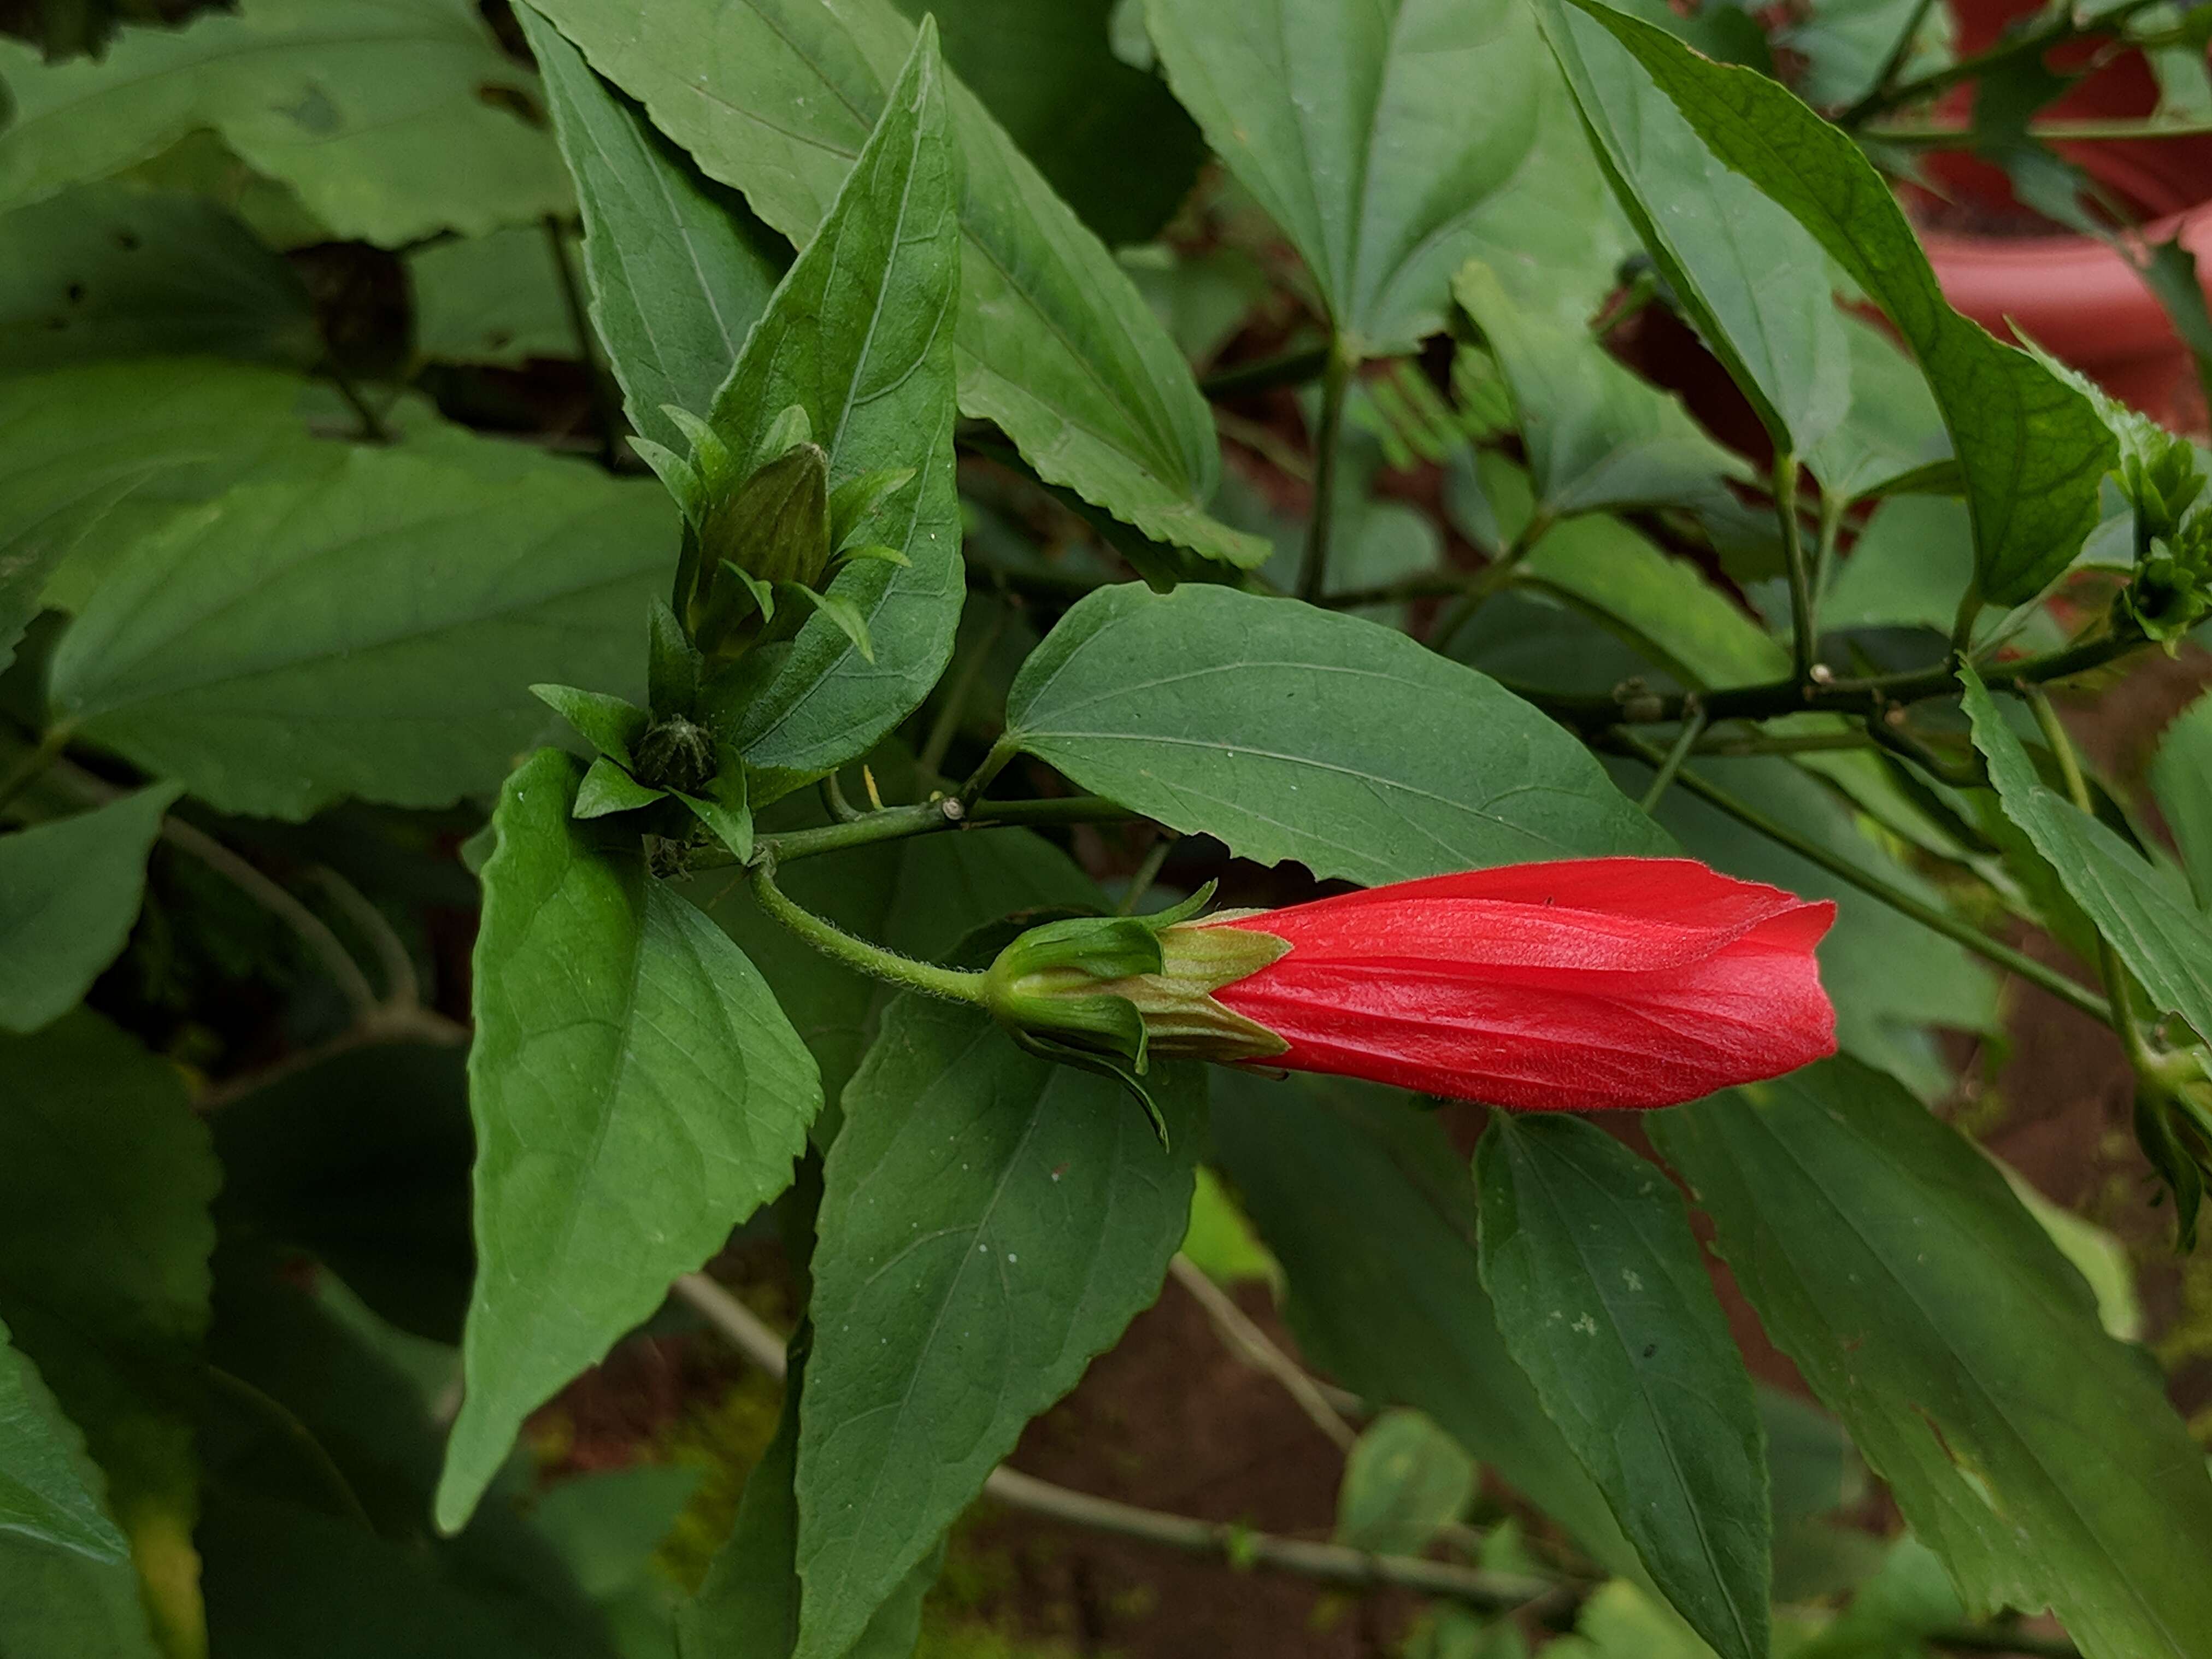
(1630, 1278)
(1586, 1325)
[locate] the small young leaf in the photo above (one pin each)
(672, 666)
(842, 611)
(637, 1092)
(722, 808)
(1602, 1297)
(1404, 1480)
(855, 500)
(610, 724)
(607, 788)
(69, 891)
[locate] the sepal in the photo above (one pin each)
(607, 788)
(610, 725)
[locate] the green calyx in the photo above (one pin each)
(2172, 592)
(769, 530)
(1108, 993)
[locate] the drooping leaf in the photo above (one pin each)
(1404, 1479)
(371, 629)
(50, 1489)
(749, 1606)
(1372, 1216)
(1055, 344)
(1109, 138)
(680, 267)
(1373, 134)
(1603, 1301)
(2030, 447)
(2142, 911)
(1598, 438)
(1747, 275)
(858, 335)
(104, 1179)
(70, 890)
(104, 271)
(361, 106)
(2035, 1455)
(1290, 733)
(637, 1091)
(989, 1221)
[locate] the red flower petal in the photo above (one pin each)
(1580, 984)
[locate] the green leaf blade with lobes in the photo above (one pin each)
(637, 1091)
(1289, 733)
(777, 97)
(2032, 448)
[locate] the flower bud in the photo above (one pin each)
(776, 526)
(677, 755)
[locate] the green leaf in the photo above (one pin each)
(2181, 778)
(57, 1605)
(857, 335)
(1404, 1480)
(1373, 134)
(1597, 436)
(989, 1221)
(637, 1091)
(104, 1179)
(362, 106)
(492, 299)
(1109, 140)
(748, 1607)
(2037, 1457)
(1603, 1300)
(371, 628)
(1289, 733)
(1892, 433)
(69, 891)
(606, 788)
(610, 724)
(1372, 1216)
(50, 1489)
(679, 268)
(2031, 447)
(2141, 910)
(1910, 566)
(104, 272)
(1054, 343)
(1746, 274)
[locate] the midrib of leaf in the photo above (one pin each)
(1968, 1371)
(1364, 178)
(914, 148)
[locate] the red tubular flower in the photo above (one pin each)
(1575, 985)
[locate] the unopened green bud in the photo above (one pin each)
(675, 754)
(776, 526)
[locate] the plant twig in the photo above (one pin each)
(313, 930)
(1487, 581)
(603, 404)
(1927, 915)
(2050, 132)
(1335, 381)
(1249, 1343)
(931, 816)
(946, 726)
(1804, 622)
(1289, 369)
(2029, 44)
(402, 989)
(958, 985)
(1148, 873)
(1328, 1562)
(1685, 741)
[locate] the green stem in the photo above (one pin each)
(1001, 756)
(2032, 45)
(1291, 368)
(1148, 873)
(1927, 915)
(34, 761)
(857, 953)
(2050, 132)
(1489, 580)
(1811, 742)
(277, 1415)
(1684, 742)
(1804, 623)
(1832, 508)
(587, 350)
(372, 429)
(1901, 48)
(1335, 381)
(946, 726)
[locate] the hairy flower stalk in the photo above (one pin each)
(1576, 985)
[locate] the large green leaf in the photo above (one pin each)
(1373, 133)
(1290, 733)
(365, 107)
(749, 1606)
(1891, 434)
(989, 1221)
(2031, 447)
(1602, 1297)
(859, 334)
(680, 269)
(1372, 1216)
(68, 893)
(50, 1489)
(1597, 436)
(104, 271)
(637, 1091)
(2145, 912)
(104, 1179)
(370, 628)
(1109, 138)
(1054, 343)
(2181, 777)
(1747, 273)
(1926, 1308)
(55, 1604)
(1405, 1479)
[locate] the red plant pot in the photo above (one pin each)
(2078, 298)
